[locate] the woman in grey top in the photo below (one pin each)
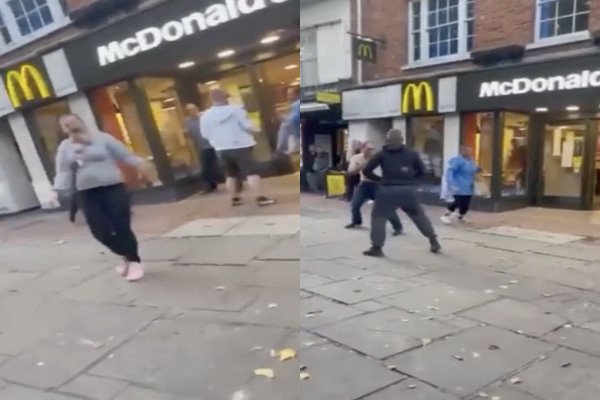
(93, 157)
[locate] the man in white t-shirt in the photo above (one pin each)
(231, 133)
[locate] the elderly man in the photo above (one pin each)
(401, 168)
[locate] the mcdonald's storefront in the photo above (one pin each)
(133, 79)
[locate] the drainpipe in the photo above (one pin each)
(359, 21)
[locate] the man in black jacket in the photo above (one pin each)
(401, 168)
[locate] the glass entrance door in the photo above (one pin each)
(564, 164)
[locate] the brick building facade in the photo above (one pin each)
(516, 80)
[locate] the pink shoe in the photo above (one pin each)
(123, 269)
(136, 272)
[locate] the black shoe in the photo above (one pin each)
(436, 247)
(374, 252)
(353, 226)
(398, 232)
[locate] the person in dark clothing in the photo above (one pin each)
(208, 155)
(401, 168)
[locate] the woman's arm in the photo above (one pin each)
(63, 177)
(120, 152)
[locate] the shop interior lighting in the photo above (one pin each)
(210, 83)
(291, 66)
(572, 108)
(541, 109)
(226, 53)
(270, 39)
(187, 64)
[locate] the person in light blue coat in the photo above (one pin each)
(461, 175)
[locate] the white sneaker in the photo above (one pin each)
(446, 219)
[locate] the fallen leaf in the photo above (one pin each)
(286, 354)
(308, 344)
(303, 368)
(265, 372)
(496, 398)
(433, 308)
(565, 365)
(503, 287)
(476, 355)
(220, 288)
(425, 342)
(515, 380)
(483, 395)
(273, 305)
(412, 386)
(488, 291)
(514, 282)
(457, 357)
(493, 347)
(568, 326)
(392, 367)
(427, 318)
(40, 364)
(405, 320)
(62, 241)
(258, 348)
(304, 376)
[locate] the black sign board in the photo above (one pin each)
(178, 34)
(364, 49)
(551, 85)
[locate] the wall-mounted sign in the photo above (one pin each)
(364, 49)
(152, 37)
(26, 83)
(328, 97)
(553, 85)
(418, 97)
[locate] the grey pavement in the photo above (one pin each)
(502, 314)
(210, 311)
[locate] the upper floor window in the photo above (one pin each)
(561, 17)
(309, 69)
(440, 29)
(31, 15)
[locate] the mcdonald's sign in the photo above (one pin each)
(26, 83)
(418, 98)
(364, 50)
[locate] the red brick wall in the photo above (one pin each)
(594, 15)
(505, 22)
(386, 19)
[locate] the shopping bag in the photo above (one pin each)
(482, 189)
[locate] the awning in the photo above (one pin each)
(313, 107)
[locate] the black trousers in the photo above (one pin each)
(462, 204)
(368, 191)
(107, 210)
(210, 168)
(388, 200)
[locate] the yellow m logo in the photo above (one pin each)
(421, 95)
(20, 85)
(364, 51)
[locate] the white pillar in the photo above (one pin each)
(451, 137)
(400, 123)
(39, 177)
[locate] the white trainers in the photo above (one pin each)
(446, 219)
(136, 272)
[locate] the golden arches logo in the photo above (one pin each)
(20, 85)
(421, 95)
(365, 51)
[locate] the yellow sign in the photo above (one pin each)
(329, 98)
(418, 97)
(336, 184)
(26, 84)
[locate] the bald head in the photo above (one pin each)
(395, 136)
(219, 96)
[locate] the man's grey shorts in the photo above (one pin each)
(238, 162)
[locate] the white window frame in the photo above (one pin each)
(61, 19)
(462, 54)
(314, 59)
(540, 42)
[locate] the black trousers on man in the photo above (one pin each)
(388, 200)
(368, 191)
(211, 171)
(107, 210)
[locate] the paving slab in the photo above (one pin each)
(267, 225)
(206, 227)
(534, 235)
(506, 393)
(548, 380)
(411, 389)
(188, 346)
(477, 367)
(584, 340)
(216, 251)
(94, 388)
(437, 300)
(317, 311)
(574, 251)
(287, 249)
(578, 307)
(14, 392)
(334, 374)
(368, 288)
(308, 280)
(136, 393)
(385, 333)
(516, 316)
(332, 270)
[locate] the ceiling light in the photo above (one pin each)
(291, 66)
(209, 83)
(541, 109)
(270, 39)
(187, 64)
(572, 108)
(226, 53)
